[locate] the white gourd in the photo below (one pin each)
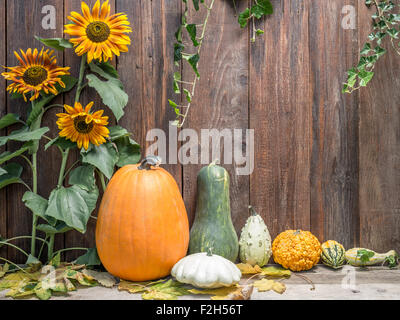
(206, 270)
(255, 241)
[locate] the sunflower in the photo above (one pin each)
(82, 127)
(98, 33)
(37, 71)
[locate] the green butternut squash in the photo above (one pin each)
(361, 257)
(212, 227)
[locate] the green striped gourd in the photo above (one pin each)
(255, 241)
(353, 258)
(333, 254)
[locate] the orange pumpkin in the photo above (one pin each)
(142, 228)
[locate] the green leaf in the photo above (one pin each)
(259, 32)
(103, 157)
(8, 120)
(169, 290)
(128, 152)
(188, 95)
(104, 69)
(366, 49)
(111, 93)
(60, 227)
(117, 132)
(83, 177)
(193, 59)
(73, 206)
(12, 175)
(264, 7)
(365, 77)
(24, 135)
(178, 48)
(365, 255)
(37, 205)
(6, 156)
(244, 17)
(192, 31)
(60, 142)
(90, 258)
(55, 43)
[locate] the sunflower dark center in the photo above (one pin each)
(98, 31)
(35, 75)
(81, 126)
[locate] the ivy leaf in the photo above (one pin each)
(83, 177)
(24, 135)
(73, 206)
(111, 92)
(365, 255)
(192, 31)
(103, 157)
(193, 59)
(56, 43)
(8, 120)
(365, 77)
(188, 95)
(90, 258)
(12, 175)
(244, 17)
(178, 48)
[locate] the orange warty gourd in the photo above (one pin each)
(142, 228)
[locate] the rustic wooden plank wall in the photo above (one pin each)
(324, 161)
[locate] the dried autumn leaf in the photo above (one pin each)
(267, 285)
(136, 287)
(3, 270)
(14, 280)
(104, 278)
(246, 268)
(235, 292)
(275, 272)
(169, 290)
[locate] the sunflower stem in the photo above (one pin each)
(103, 181)
(50, 247)
(63, 166)
(80, 80)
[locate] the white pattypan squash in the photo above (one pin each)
(206, 270)
(255, 241)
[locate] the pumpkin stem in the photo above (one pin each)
(214, 162)
(252, 211)
(150, 161)
(209, 252)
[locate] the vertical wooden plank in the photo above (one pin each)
(147, 71)
(280, 114)
(380, 149)
(334, 160)
(221, 99)
(3, 111)
(75, 239)
(25, 21)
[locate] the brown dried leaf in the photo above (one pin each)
(267, 285)
(235, 292)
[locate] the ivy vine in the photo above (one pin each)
(385, 24)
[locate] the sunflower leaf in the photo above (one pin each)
(12, 175)
(60, 142)
(103, 157)
(111, 92)
(73, 206)
(56, 43)
(8, 120)
(128, 152)
(83, 177)
(37, 205)
(24, 135)
(89, 259)
(6, 156)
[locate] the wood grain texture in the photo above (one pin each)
(334, 161)
(147, 70)
(221, 100)
(3, 111)
(380, 150)
(280, 114)
(27, 22)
